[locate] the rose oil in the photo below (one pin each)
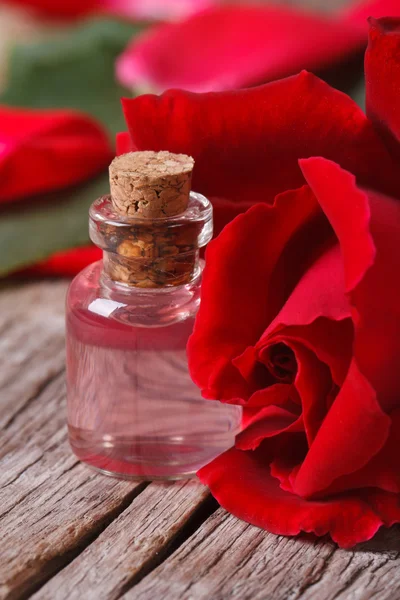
(133, 410)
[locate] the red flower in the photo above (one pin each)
(136, 9)
(300, 317)
(235, 46)
(46, 150)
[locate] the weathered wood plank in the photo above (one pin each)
(131, 546)
(31, 342)
(50, 506)
(227, 558)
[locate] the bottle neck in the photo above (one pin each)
(154, 271)
(151, 253)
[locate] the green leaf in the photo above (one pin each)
(58, 222)
(76, 71)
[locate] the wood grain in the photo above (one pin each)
(132, 545)
(31, 342)
(227, 558)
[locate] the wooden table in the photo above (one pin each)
(68, 533)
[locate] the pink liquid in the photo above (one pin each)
(133, 409)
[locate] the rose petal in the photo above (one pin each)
(269, 422)
(317, 315)
(313, 383)
(242, 484)
(60, 9)
(367, 225)
(319, 303)
(382, 471)
(319, 293)
(156, 9)
(136, 9)
(66, 263)
(254, 372)
(354, 430)
(224, 211)
(330, 340)
(241, 291)
(386, 505)
(382, 73)
(235, 46)
(123, 143)
(246, 143)
(358, 13)
(53, 149)
(278, 393)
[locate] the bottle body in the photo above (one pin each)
(133, 410)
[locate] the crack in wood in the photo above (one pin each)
(316, 574)
(31, 586)
(41, 387)
(200, 515)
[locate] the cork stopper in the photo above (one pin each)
(151, 185)
(147, 189)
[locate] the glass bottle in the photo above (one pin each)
(133, 410)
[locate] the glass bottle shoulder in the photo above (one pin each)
(98, 298)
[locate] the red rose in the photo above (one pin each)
(300, 313)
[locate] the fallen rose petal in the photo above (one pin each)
(241, 482)
(53, 149)
(247, 143)
(382, 74)
(235, 46)
(67, 263)
(135, 9)
(156, 9)
(60, 9)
